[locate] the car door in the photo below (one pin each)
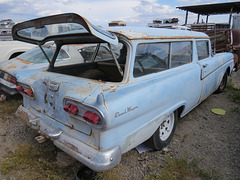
(209, 68)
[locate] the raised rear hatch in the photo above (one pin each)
(64, 27)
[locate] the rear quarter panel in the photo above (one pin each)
(136, 109)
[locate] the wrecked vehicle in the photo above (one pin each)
(35, 60)
(98, 110)
(11, 49)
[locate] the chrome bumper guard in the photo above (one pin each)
(97, 160)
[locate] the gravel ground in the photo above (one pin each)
(200, 134)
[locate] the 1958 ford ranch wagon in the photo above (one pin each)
(97, 110)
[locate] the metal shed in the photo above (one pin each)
(212, 9)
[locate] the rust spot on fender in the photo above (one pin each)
(114, 90)
(107, 88)
(24, 62)
(45, 99)
(12, 66)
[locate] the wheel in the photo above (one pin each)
(222, 85)
(164, 133)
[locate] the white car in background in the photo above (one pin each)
(10, 49)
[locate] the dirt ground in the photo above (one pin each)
(200, 134)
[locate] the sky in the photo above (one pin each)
(101, 12)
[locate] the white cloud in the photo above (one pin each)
(96, 11)
(66, 1)
(48, 12)
(152, 7)
(148, 10)
(5, 1)
(99, 12)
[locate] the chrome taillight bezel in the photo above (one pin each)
(25, 86)
(82, 107)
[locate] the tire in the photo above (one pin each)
(222, 85)
(164, 133)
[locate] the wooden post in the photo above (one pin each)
(198, 18)
(207, 19)
(230, 17)
(186, 17)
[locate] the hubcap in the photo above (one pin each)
(166, 127)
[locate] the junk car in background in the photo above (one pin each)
(10, 49)
(97, 110)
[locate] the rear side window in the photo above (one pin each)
(202, 49)
(181, 53)
(151, 58)
(156, 57)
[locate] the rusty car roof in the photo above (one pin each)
(155, 33)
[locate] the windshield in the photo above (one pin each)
(35, 55)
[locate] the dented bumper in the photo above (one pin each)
(97, 160)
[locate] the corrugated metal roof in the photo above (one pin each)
(210, 9)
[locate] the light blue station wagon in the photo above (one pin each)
(98, 110)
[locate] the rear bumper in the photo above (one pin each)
(8, 87)
(97, 160)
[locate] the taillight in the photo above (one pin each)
(28, 92)
(12, 79)
(25, 89)
(71, 108)
(19, 88)
(8, 77)
(85, 113)
(91, 117)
